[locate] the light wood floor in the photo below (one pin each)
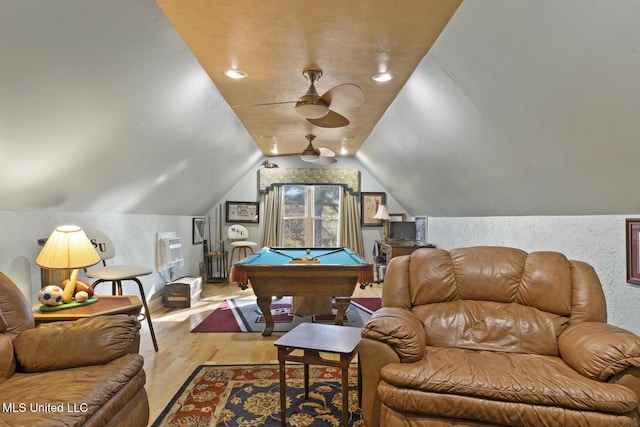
(180, 351)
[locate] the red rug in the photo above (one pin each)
(249, 395)
(244, 315)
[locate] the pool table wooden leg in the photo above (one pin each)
(342, 303)
(265, 306)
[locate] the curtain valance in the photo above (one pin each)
(347, 178)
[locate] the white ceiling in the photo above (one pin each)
(520, 108)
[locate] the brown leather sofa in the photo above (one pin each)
(80, 373)
(495, 336)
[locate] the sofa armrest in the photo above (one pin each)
(599, 350)
(400, 329)
(84, 342)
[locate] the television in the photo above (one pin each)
(402, 230)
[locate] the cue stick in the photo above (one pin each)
(282, 253)
(329, 253)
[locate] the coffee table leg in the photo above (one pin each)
(265, 306)
(345, 396)
(306, 380)
(283, 394)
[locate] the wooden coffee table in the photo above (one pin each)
(313, 338)
(106, 305)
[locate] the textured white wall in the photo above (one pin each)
(133, 235)
(597, 240)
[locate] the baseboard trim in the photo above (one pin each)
(156, 302)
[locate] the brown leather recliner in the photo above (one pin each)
(80, 373)
(495, 336)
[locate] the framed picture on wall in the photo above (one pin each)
(397, 217)
(198, 231)
(247, 212)
(369, 203)
(633, 260)
(421, 228)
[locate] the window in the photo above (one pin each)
(311, 215)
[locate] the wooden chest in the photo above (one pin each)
(183, 292)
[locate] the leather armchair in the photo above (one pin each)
(80, 373)
(495, 336)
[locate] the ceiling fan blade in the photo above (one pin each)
(346, 95)
(263, 104)
(331, 120)
(326, 152)
(325, 160)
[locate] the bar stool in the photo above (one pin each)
(238, 235)
(116, 274)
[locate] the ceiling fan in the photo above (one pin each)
(318, 110)
(320, 155)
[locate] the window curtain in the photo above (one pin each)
(350, 229)
(272, 225)
(270, 183)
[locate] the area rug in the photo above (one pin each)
(244, 315)
(249, 395)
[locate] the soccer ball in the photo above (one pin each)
(50, 295)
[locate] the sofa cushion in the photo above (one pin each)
(89, 341)
(539, 279)
(410, 407)
(7, 358)
(15, 308)
(509, 377)
(71, 397)
(489, 325)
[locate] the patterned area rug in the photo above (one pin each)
(249, 395)
(244, 315)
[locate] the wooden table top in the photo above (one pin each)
(321, 337)
(106, 305)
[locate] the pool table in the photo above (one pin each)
(280, 271)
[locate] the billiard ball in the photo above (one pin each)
(308, 251)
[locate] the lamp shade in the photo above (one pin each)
(382, 213)
(67, 247)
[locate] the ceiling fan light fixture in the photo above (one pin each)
(312, 107)
(310, 154)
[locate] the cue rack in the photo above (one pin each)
(215, 257)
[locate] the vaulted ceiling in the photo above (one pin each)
(274, 43)
(518, 108)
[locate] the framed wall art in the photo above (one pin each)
(369, 203)
(198, 231)
(243, 212)
(397, 217)
(421, 228)
(633, 260)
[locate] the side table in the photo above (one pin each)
(313, 338)
(106, 305)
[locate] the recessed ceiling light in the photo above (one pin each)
(382, 77)
(235, 74)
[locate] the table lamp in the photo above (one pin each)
(68, 247)
(383, 214)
